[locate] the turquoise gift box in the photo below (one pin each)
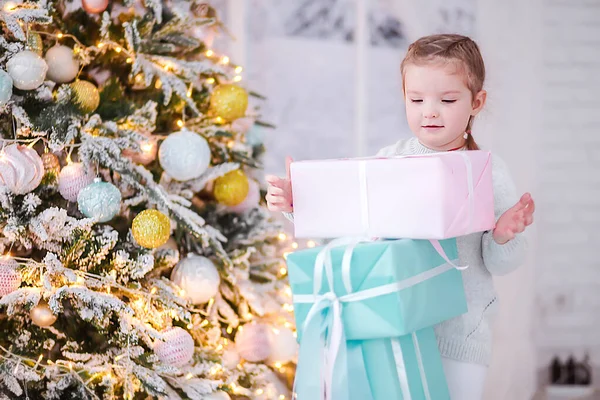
(365, 313)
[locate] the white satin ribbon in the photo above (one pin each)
(401, 368)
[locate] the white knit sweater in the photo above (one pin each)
(468, 337)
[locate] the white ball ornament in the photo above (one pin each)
(198, 277)
(284, 346)
(72, 179)
(21, 168)
(62, 64)
(252, 342)
(27, 69)
(184, 155)
(99, 200)
(10, 278)
(177, 347)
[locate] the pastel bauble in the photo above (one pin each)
(252, 342)
(284, 346)
(176, 349)
(21, 168)
(72, 179)
(27, 69)
(99, 200)
(198, 277)
(10, 278)
(6, 86)
(242, 125)
(94, 6)
(184, 155)
(62, 64)
(230, 358)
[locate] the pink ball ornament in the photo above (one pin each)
(230, 358)
(147, 153)
(252, 342)
(72, 179)
(94, 6)
(176, 349)
(10, 278)
(284, 347)
(242, 125)
(251, 200)
(21, 168)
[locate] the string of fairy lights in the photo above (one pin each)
(143, 299)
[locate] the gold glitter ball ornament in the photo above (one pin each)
(85, 96)
(151, 229)
(34, 43)
(232, 188)
(229, 102)
(51, 164)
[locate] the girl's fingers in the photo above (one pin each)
(274, 181)
(275, 191)
(523, 202)
(530, 207)
(520, 226)
(272, 199)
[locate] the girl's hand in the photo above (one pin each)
(279, 193)
(514, 220)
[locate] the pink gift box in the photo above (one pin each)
(429, 196)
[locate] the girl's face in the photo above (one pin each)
(439, 104)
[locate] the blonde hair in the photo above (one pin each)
(450, 48)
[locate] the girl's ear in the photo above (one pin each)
(479, 102)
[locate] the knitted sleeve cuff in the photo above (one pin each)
(500, 259)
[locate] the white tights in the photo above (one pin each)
(465, 380)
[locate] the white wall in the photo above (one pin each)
(568, 287)
(509, 36)
(544, 119)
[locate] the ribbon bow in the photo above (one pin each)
(323, 347)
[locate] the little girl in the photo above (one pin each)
(443, 79)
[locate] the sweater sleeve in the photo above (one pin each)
(502, 259)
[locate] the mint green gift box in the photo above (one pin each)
(423, 289)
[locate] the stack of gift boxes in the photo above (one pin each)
(366, 303)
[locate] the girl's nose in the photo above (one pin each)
(431, 113)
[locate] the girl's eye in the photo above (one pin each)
(416, 100)
(448, 101)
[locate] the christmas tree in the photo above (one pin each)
(138, 260)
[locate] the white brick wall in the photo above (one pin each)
(567, 286)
